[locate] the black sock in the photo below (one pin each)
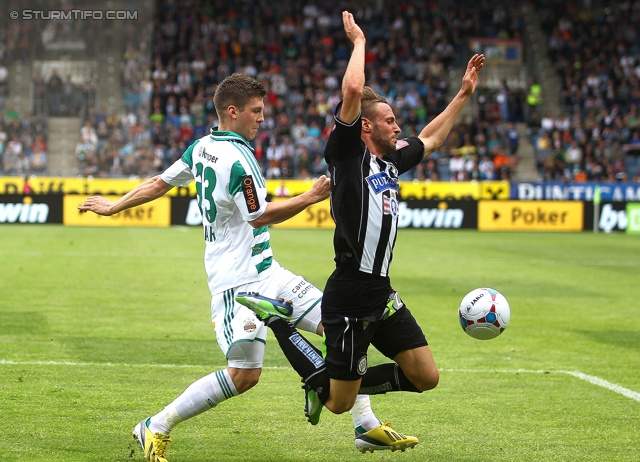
(305, 358)
(383, 378)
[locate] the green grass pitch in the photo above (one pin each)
(100, 328)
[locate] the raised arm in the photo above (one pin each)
(280, 211)
(353, 81)
(141, 194)
(436, 132)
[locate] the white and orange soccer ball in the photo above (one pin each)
(484, 313)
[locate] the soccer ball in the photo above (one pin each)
(484, 313)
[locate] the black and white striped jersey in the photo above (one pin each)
(364, 197)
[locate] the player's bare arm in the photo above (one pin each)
(353, 81)
(145, 192)
(436, 132)
(277, 212)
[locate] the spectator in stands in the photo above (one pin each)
(495, 142)
(22, 164)
(534, 95)
(502, 163)
(632, 153)
(3, 140)
(54, 94)
(12, 114)
(88, 134)
(456, 166)
(513, 137)
(288, 158)
(298, 130)
(502, 99)
(430, 168)
(486, 168)
(304, 164)
(11, 156)
(38, 160)
(573, 154)
(4, 83)
(72, 100)
(471, 167)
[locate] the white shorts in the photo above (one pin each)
(241, 335)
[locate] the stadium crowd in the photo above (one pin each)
(597, 136)
(297, 51)
(22, 138)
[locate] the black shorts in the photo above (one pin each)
(347, 341)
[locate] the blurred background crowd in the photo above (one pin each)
(168, 69)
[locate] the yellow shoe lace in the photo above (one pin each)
(160, 442)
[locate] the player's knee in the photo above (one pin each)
(245, 379)
(338, 406)
(427, 381)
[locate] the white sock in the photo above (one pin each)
(362, 414)
(200, 396)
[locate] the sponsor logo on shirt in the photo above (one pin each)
(390, 205)
(381, 182)
(250, 196)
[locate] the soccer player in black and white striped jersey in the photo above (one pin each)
(359, 307)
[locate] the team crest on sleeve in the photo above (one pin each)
(401, 144)
(250, 195)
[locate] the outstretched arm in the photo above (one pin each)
(141, 194)
(353, 81)
(436, 132)
(280, 211)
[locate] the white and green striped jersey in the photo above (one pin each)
(230, 191)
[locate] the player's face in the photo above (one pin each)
(385, 129)
(250, 118)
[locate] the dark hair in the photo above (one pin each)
(236, 90)
(368, 102)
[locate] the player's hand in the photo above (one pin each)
(470, 79)
(321, 188)
(96, 204)
(353, 31)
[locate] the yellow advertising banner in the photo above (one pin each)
(156, 213)
(530, 216)
(440, 190)
(437, 190)
(316, 216)
(288, 188)
(495, 190)
(86, 186)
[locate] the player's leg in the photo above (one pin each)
(242, 339)
(306, 300)
(347, 360)
(342, 395)
(399, 337)
(419, 367)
